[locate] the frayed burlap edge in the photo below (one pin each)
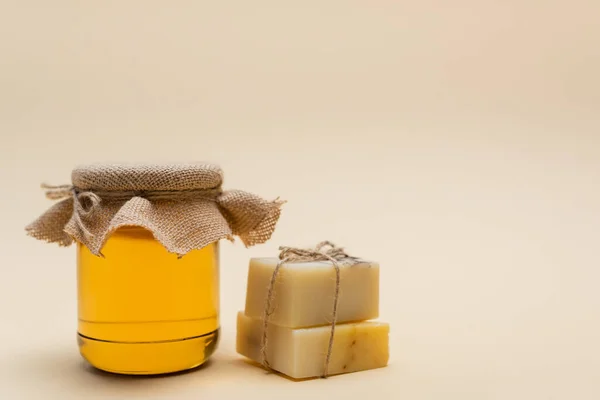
(179, 225)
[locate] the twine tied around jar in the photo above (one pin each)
(324, 251)
(94, 197)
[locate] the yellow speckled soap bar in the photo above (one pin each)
(300, 353)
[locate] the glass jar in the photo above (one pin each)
(143, 310)
(148, 258)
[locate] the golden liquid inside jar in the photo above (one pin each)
(143, 310)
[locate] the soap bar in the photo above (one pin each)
(300, 353)
(305, 291)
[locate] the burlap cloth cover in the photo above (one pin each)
(183, 205)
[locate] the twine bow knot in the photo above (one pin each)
(324, 251)
(84, 203)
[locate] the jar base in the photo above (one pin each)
(152, 358)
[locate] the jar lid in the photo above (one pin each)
(141, 177)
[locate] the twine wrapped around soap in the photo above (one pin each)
(324, 251)
(183, 206)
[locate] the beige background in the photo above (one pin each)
(458, 143)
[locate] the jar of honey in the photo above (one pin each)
(148, 259)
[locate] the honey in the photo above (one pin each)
(143, 310)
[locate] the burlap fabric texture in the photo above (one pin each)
(183, 205)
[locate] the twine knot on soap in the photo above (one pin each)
(324, 251)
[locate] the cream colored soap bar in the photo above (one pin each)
(304, 292)
(300, 353)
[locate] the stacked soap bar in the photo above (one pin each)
(299, 325)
